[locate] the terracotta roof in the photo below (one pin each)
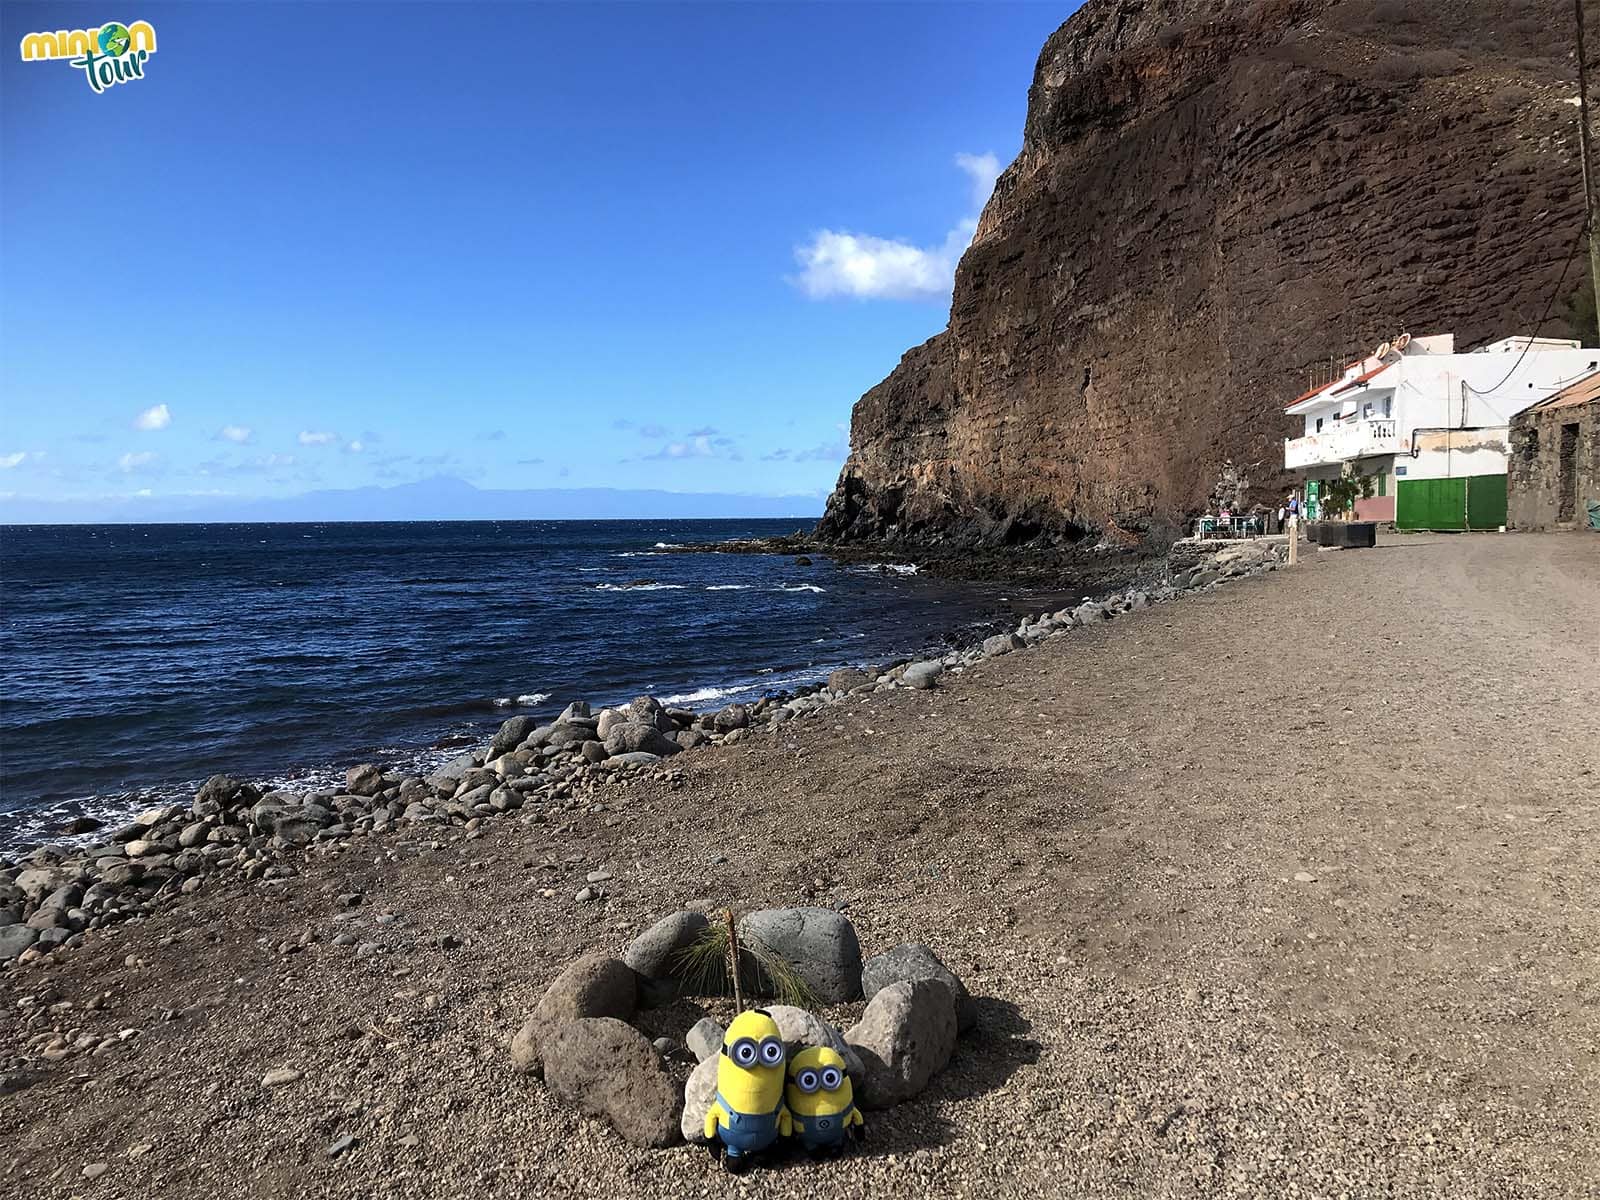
(1582, 392)
(1362, 378)
(1322, 387)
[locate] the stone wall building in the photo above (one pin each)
(1554, 470)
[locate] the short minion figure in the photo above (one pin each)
(748, 1114)
(821, 1100)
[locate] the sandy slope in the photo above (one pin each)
(1286, 889)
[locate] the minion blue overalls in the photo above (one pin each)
(747, 1133)
(821, 1131)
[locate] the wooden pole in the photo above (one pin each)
(1583, 151)
(733, 962)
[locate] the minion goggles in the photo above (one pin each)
(748, 1053)
(811, 1080)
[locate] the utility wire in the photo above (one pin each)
(1549, 304)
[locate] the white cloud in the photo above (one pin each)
(238, 434)
(695, 447)
(7, 461)
(983, 170)
(310, 437)
(132, 462)
(355, 447)
(158, 417)
(837, 263)
(275, 460)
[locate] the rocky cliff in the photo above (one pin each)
(1213, 200)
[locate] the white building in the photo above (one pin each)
(1429, 426)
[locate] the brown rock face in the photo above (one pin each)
(1214, 199)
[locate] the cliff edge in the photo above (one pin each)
(1213, 199)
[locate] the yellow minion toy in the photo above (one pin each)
(748, 1114)
(821, 1100)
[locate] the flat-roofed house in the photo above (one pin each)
(1429, 426)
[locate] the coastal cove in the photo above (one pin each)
(160, 655)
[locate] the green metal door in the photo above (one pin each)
(1486, 501)
(1433, 504)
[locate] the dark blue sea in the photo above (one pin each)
(136, 660)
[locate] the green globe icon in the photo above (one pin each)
(114, 39)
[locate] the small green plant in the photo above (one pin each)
(1340, 495)
(703, 966)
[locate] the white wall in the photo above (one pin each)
(1429, 392)
(1456, 454)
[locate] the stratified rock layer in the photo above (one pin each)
(1214, 198)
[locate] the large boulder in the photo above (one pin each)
(364, 780)
(649, 711)
(731, 717)
(450, 774)
(14, 939)
(578, 710)
(847, 678)
(904, 1039)
(596, 985)
(911, 961)
(38, 882)
(607, 1069)
(698, 1093)
(511, 735)
(800, 1029)
(819, 943)
(921, 675)
(652, 953)
(220, 793)
(575, 733)
(1001, 643)
(634, 737)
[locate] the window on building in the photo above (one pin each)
(1388, 406)
(1383, 483)
(1319, 424)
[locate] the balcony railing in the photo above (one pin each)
(1341, 443)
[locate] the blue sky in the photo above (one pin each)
(527, 245)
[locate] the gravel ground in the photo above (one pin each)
(1283, 889)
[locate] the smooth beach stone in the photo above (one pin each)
(910, 961)
(904, 1039)
(921, 675)
(801, 1029)
(819, 943)
(699, 1091)
(704, 1039)
(633, 737)
(14, 939)
(607, 1069)
(596, 985)
(653, 951)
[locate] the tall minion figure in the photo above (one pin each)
(748, 1114)
(821, 1100)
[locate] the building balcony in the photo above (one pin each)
(1341, 442)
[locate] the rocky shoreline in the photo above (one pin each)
(54, 897)
(1102, 565)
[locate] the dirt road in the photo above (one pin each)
(1286, 889)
